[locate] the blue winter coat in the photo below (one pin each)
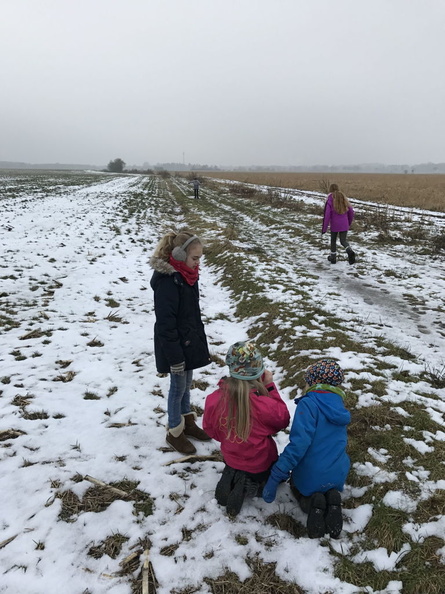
(316, 454)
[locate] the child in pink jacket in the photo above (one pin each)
(338, 215)
(243, 414)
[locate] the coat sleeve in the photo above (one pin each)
(351, 214)
(301, 436)
(279, 416)
(327, 214)
(166, 311)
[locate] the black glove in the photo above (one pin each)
(178, 369)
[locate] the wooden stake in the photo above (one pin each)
(145, 572)
(106, 486)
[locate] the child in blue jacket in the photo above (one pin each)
(316, 455)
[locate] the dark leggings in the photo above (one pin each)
(254, 481)
(343, 240)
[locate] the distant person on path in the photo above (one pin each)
(316, 455)
(179, 338)
(243, 414)
(196, 185)
(338, 215)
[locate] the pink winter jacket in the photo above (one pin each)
(337, 222)
(269, 415)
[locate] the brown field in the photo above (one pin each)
(412, 190)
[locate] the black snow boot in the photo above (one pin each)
(316, 526)
(334, 516)
(225, 485)
(235, 499)
(351, 255)
(332, 257)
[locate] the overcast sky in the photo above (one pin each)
(225, 82)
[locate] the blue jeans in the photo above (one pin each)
(179, 397)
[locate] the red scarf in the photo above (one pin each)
(190, 274)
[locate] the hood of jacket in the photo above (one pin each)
(330, 404)
(161, 270)
(160, 265)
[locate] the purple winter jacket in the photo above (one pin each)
(337, 222)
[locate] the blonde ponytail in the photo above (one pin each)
(340, 202)
(238, 422)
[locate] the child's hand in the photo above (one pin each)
(270, 490)
(267, 377)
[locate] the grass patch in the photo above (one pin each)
(97, 499)
(262, 581)
(111, 546)
(90, 396)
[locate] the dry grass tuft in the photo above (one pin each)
(65, 377)
(64, 363)
(10, 434)
(262, 581)
(96, 499)
(286, 522)
(37, 333)
(111, 546)
(95, 343)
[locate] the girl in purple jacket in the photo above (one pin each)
(338, 215)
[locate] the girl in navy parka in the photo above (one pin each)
(179, 338)
(338, 215)
(316, 454)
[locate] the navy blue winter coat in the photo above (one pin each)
(179, 332)
(316, 454)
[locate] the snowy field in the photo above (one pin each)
(80, 398)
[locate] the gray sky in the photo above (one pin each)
(225, 82)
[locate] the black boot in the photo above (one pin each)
(351, 255)
(332, 257)
(235, 499)
(334, 516)
(316, 526)
(224, 485)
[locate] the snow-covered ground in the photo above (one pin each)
(80, 397)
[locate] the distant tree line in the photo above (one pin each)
(118, 166)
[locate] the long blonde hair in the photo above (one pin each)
(341, 203)
(236, 402)
(171, 240)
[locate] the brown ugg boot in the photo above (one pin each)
(177, 439)
(191, 428)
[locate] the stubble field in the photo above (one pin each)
(92, 495)
(411, 190)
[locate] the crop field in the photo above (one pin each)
(411, 190)
(94, 501)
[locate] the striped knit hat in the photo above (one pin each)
(326, 371)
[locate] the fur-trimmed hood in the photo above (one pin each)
(161, 266)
